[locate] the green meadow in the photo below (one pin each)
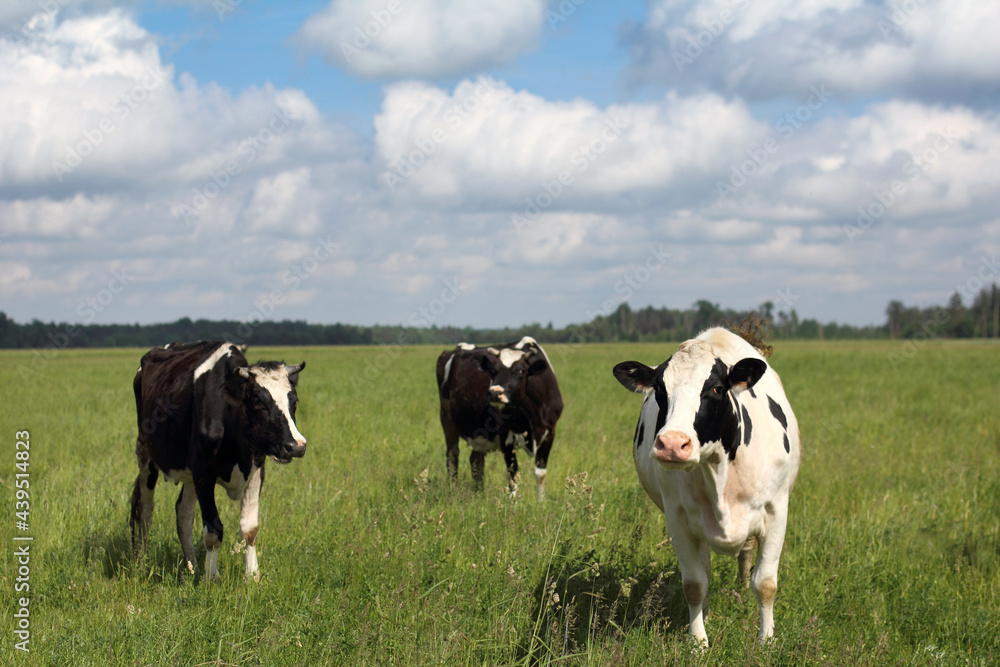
(371, 556)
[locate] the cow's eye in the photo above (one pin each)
(718, 390)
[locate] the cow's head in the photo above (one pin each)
(509, 370)
(695, 394)
(264, 396)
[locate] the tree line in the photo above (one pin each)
(979, 319)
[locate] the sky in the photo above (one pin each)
(492, 163)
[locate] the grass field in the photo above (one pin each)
(371, 557)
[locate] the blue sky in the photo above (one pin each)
(579, 55)
(826, 156)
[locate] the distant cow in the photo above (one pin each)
(207, 417)
(500, 397)
(717, 449)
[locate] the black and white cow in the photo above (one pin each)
(207, 417)
(717, 449)
(499, 397)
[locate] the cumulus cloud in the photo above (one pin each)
(525, 208)
(391, 39)
(928, 51)
(92, 107)
(485, 144)
(109, 157)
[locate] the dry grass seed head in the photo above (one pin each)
(754, 329)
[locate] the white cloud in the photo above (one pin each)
(285, 201)
(486, 144)
(92, 107)
(930, 51)
(305, 207)
(421, 38)
(76, 217)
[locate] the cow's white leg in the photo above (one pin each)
(212, 530)
(249, 518)
(212, 543)
(540, 478)
(185, 522)
(765, 575)
(691, 556)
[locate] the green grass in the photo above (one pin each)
(892, 555)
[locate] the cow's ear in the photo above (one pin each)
(293, 373)
(635, 376)
(234, 389)
(485, 363)
(538, 366)
(746, 372)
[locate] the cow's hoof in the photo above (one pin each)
(699, 644)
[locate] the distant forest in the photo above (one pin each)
(979, 319)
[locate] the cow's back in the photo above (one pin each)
(544, 400)
(164, 395)
(774, 462)
(464, 391)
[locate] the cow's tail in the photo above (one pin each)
(135, 513)
(141, 510)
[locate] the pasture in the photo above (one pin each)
(370, 556)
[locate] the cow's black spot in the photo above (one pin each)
(153, 474)
(747, 426)
(777, 412)
(662, 405)
(752, 395)
(717, 419)
(640, 433)
(788, 448)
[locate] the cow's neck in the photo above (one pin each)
(715, 473)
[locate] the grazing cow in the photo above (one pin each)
(501, 397)
(207, 417)
(717, 449)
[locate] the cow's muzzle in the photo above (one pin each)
(673, 447)
(498, 395)
(295, 450)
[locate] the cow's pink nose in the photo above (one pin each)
(673, 446)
